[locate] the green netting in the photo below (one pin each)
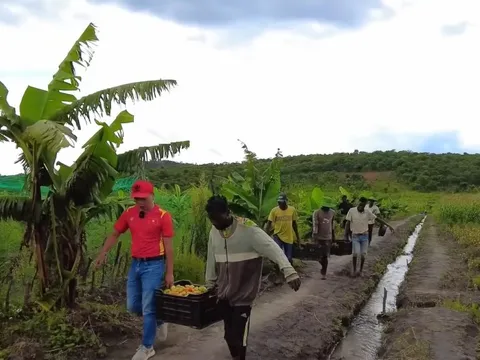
(16, 184)
(124, 184)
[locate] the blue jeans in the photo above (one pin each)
(287, 248)
(144, 278)
(359, 244)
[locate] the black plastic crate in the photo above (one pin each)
(195, 311)
(341, 247)
(306, 251)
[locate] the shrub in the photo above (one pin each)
(189, 267)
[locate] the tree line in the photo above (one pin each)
(419, 171)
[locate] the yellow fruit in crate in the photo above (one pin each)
(185, 290)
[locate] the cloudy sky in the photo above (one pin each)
(306, 76)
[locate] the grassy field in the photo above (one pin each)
(460, 215)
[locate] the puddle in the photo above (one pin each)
(364, 337)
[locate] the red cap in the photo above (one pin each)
(142, 189)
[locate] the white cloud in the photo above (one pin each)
(283, 89)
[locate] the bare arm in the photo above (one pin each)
(111, 241)
(347, 230)
(210, 270)
(120, 226)
(295, 224)
(333, 229)
(295, 229)
(381, 221)
(348, 224)
(268, 227)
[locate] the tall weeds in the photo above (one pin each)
(200, 226)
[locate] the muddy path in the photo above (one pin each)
(303, 325)
(424, 328)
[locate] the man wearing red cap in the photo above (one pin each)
(152, 231)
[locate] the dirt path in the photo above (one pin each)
(300, 325)
(424, 329)
(437, 272)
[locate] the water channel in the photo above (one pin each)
(364, 337)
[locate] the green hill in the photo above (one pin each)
(417, 171)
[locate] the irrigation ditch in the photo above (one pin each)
(437, 313)
(363, 338)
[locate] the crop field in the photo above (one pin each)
(439, 300)
(460, 215)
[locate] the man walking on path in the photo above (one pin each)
(234, 269)
(323, 234)
(151, 229)
(372, 206)
(344, 205)
(357, 221)
(283, 220)
(343, 208)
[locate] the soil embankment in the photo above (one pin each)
(287, 325)
(426, 327)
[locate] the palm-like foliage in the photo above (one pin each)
(78, 192)
(255, 193)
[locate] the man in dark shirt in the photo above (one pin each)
(343, 208)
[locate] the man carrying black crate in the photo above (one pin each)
(323, 234)
(151, 229)
(234, 269)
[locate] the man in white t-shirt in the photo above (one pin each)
(357, 221)
(372, 206)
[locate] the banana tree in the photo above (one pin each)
(345, 192)
(255, 193)
(45, 124)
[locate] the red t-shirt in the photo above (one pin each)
(147, 233)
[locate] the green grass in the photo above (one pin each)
(460, 216)
(11, 236)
